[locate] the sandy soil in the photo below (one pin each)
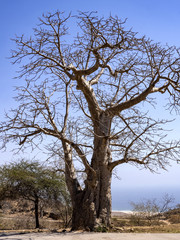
(89, 236)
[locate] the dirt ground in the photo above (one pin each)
(90, 236)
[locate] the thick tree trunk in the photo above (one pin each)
(103, 198)
(100, 162)
(84, 214)
(92, 205)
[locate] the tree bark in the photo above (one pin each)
(84, 214)
(36, 206)
(92, 205)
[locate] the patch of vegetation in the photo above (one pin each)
(150, 216)
(101, 228)
(32, 182)
(17, 217)
(161, 226)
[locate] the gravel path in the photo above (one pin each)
(90, 236)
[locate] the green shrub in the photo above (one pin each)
(101, 228)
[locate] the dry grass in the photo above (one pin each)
(12, 219)
(26, 223)
(157, 226)
(21, 221)
(19, 215)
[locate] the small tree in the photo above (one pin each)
(149, 208)
(33, 182)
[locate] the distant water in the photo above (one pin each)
(121, 198)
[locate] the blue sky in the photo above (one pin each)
(158, 19)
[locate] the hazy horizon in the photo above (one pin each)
(122, 198)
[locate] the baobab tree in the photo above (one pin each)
(89, 93)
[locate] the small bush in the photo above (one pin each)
(135, 220)
(119, 222)
(122, 223)
(101, 228)
(174, 219)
